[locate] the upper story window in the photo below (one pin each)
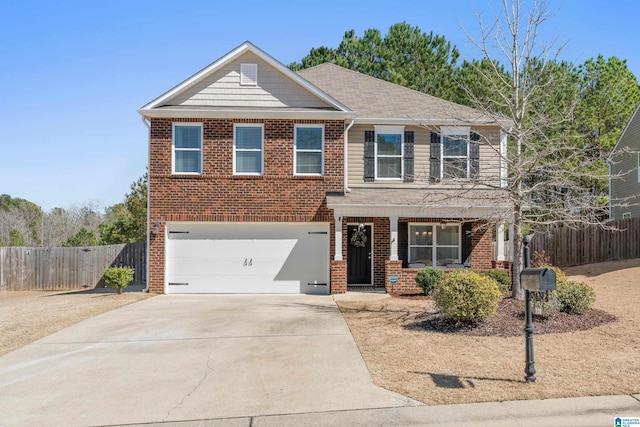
(455, 154)
(309, 149)
(388, 152)
(248, 149)
(434, 245)
(249, 74)
(187, 148)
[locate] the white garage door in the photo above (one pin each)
(247, 258)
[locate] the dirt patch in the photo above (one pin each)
(595, 354)
(26, 316)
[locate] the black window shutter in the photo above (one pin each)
(467, 243)
(369, 155)
(408, 156)
(434, 157)
(474, 156)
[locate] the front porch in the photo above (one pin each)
(402, 230)
(393, 249)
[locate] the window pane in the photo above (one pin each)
(249, 137)
(448, 236)
(309, 163)
(390, 144)
(187, 161)
(446, 256)
(389, 167)
(454, 168)
(249, 161)
(423, 255)
(309, 138)
(454, 147)
(187, 136)
(421, 235)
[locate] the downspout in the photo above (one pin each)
(148, 125)
(346, 161)
(609, 168)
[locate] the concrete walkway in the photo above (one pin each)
(237, 361)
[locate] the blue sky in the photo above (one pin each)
(73, 73)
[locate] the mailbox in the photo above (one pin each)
(538, 279)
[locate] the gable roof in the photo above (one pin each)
(622, 139)
(378, 101)
(172, 103)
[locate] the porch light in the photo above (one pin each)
(443, 225)
(156, 228)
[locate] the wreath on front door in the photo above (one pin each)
(359, 237)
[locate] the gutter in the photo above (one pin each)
(346, 161)
(148, 126)
(609, 169)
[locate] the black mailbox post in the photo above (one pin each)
(533, 280)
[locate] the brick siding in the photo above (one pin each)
(218, 195)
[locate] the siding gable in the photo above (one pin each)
(223, 89)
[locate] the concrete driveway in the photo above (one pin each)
(173, 358)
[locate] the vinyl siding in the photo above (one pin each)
(625, 188)
(489, 158)
(223, 89)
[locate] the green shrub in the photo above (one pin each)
(502, 277)
(467, 296)
(118, 277)
(575, 297)
(428, 277)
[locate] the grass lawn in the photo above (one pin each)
(444, 368)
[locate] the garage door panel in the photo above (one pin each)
(279, 258)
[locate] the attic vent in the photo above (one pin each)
(249, 74)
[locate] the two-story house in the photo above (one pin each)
(624, 172)
(263, 180)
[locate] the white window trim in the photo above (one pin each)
(246, 125)
(448, 131)
(388, 130)
(173, 147)
(626, 215)
(435, 246)
(296, 151)
(248, 74)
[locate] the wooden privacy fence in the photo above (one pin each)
(26, 269)
(568, 247)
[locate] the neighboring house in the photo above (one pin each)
(624, 172)
(262, 180)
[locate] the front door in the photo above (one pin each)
(359, 255)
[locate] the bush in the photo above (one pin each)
(575, 297)
(428, 277)
(118, 277)
(467, 296)
(502, 277)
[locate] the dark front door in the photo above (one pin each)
(359, 255)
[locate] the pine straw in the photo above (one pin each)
(596, 353)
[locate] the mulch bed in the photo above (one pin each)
(509, 321)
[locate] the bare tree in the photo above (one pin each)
(532, 97)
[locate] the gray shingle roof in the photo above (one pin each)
(373, 98)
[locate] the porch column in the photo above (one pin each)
(394, 238)
(511, 242)
(338, 240)
(500, 241)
